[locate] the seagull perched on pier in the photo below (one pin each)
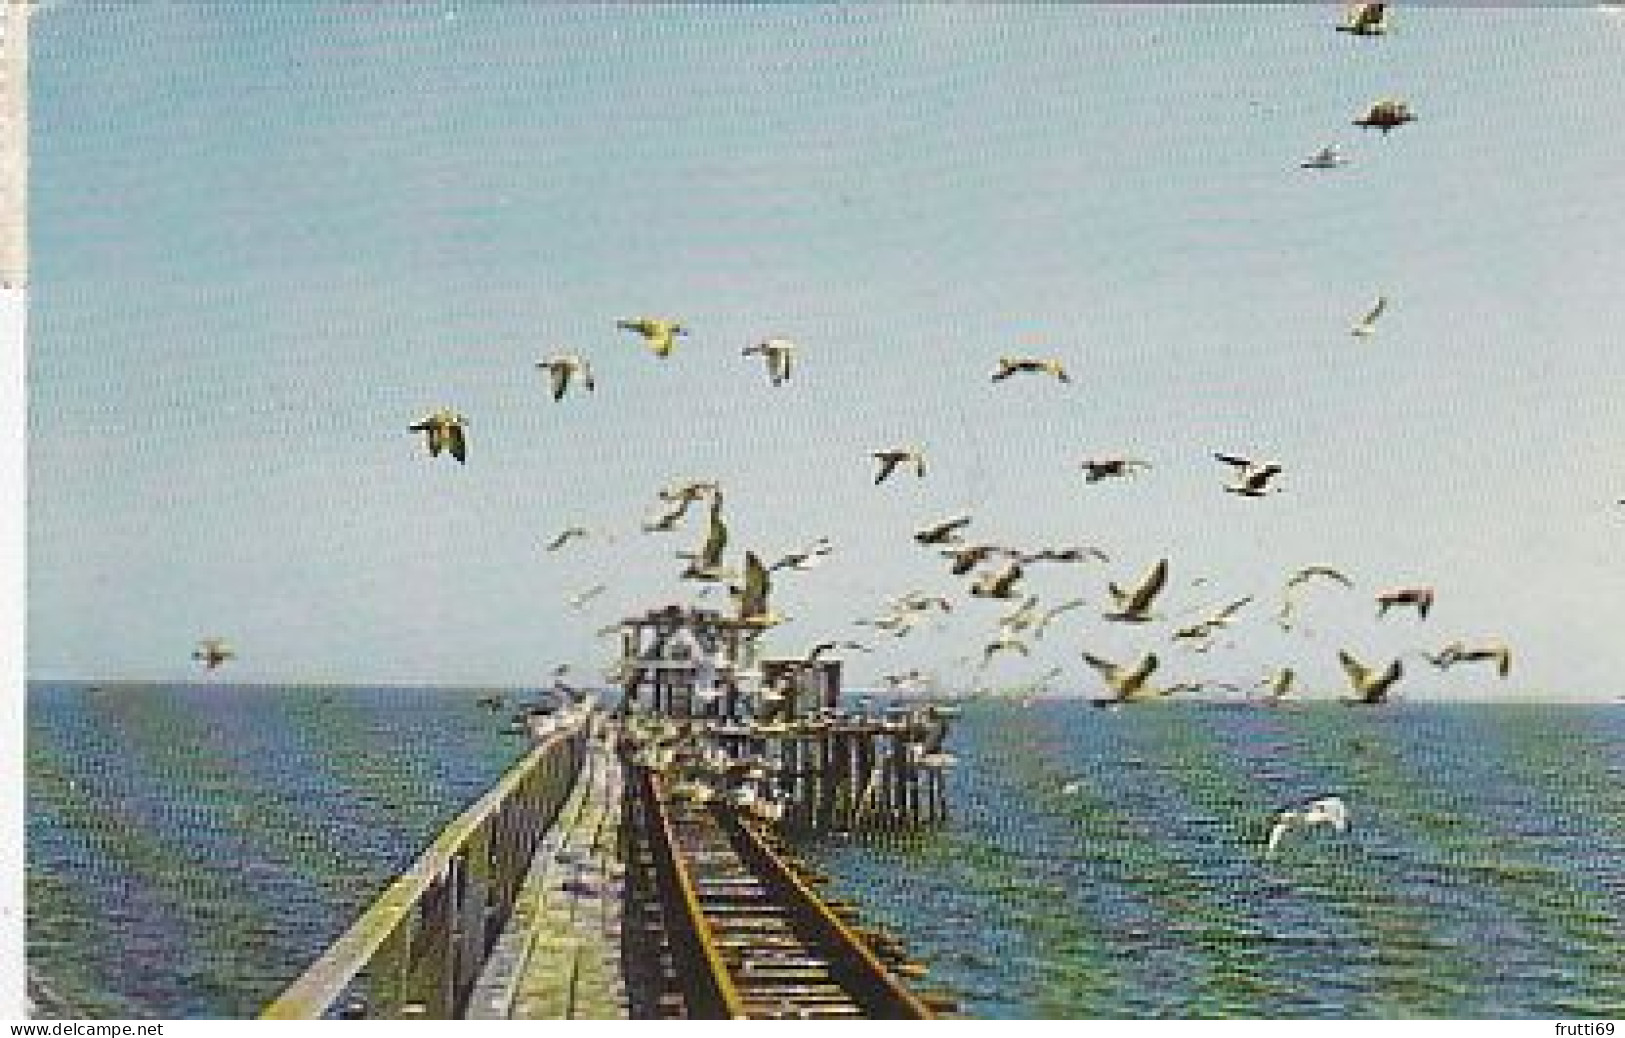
(1459, 652)
(1127, 685)
(1325, 811)
(1097, 469)
(944, 532)
(1370, 687)
(1011, 365)
(1135, 606)
(1365, 20)
(563, 368)
(1419, 597)
(777, 353)
(1385, 115)
(1252, 477)
(212, 652)
(660, 334)
(443, 429)
(892, 457)
(1367, 325)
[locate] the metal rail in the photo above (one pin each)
(417, 950)
(756, 940)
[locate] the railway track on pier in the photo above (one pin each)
(743, 935)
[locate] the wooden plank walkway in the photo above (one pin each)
(560, 956)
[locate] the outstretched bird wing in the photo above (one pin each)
(1141, 598)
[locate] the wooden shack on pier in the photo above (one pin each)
(773, 734)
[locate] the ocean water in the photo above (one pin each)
(1110, 864)
(191, 848)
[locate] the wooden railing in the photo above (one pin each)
(417, 950)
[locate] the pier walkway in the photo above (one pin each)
(559, 958)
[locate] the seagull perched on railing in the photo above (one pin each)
(777, 353)
(1325, 811)
(658, 333)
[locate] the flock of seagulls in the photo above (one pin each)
(998, 572)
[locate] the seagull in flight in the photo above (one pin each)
(706, 564)
(805, 559)
(1370, 687)
(1135, 606)
(972, 555)
(752, 597)
(1421, 598)
(1367, 325)
(1459, 652)
(1385, 115)
(1097, 469)
(1011, 365)
(565, 536)
(944, 532)
(1072, 554)
(563, 368)
(1365, 20)
(1000, 584)
(1252, 477)
(212, 652)
(659, 333)
(443, 429)
(1324, 811)
(1128, 685)
(777, 353)
(892, 457)
(1328, 157)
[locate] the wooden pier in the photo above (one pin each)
(638, 862)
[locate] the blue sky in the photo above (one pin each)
(268, 237)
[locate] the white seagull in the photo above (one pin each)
(1328, 157)
(1135, 606)
(1367, 325)
(1325, 811)
(563, 368)
(778, 353)
(1252, 477)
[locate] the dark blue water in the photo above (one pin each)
(191, 848)
(1109, 864)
